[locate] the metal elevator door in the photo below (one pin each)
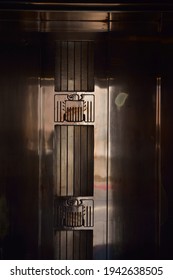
(99, 159)
(84, 173)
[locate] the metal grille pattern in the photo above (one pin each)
(74, 69)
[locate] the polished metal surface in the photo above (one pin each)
(125, 190)
(113, 161)
(19, 145)
(138, 22)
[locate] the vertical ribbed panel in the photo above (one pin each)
(74, 70)
(74, 156)
(74, 245)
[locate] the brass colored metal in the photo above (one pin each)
(86, 153)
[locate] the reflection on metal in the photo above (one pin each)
(74, 66)
(120, 99)
(74, 108)
(71, 212)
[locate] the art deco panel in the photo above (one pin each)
(74, 66)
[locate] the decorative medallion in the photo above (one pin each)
(74, 108)
(73, 212)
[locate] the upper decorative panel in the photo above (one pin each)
(74, 70)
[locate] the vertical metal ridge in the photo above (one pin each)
(87, 187)
(59, 244)
(64, 159)
(158, 158)
(80, 162)
(67, 190)
(107, 167)
(108, 127)
(74, 66)
(87, 66)
(86, 245)
(86, 220)
(84, 159)
(66, 74)
(90, 215)
(84, 67)
(67, 65)
(71, 160)
(77, 162)
(80, 65)
(87, 165)
(74, 185)
(66, 249)
(60, 58)
(64, 67)
(60, 160)
(91, 160)
(57, 104)
(80, 246)
(91, 65)
(73, 246)
(63, 245)
(70, 245)
(77, 244)
(60, 106)
(87, 115)
(90, 111)
(77, 66)
(40, 147)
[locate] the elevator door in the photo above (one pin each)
(99, 158)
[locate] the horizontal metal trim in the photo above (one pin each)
(109, 7)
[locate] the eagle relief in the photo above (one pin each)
(74, 108)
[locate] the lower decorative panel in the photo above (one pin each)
(73, 245)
